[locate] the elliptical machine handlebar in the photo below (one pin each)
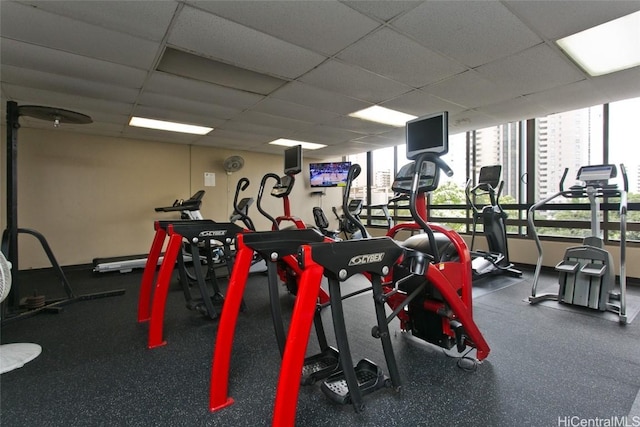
(242, 185)
(354, 172)
(415, 183)
(440, 163)
(261, 191)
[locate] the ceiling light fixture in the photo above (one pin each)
(170, 126)
(383, 115)
(606, 48)
(292, 142)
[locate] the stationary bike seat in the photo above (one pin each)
(421, 243)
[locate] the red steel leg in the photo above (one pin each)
(144, 298)
(218, 396)
(161, 290)
(298, 337)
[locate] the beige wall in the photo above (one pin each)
(95, 196)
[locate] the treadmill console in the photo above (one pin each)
(355, 206)
(284, 187)
(597, 176)
(489, 175)
(429, 177)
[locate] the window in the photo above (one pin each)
(624, 148)
(566, 140)
(359, 186)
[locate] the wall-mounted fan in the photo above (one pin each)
(233, 164)
(13, 356)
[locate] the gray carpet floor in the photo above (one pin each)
(548, 363)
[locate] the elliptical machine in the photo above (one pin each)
(346, 226)
(586, 273)
(496, 260)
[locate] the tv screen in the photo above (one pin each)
(329, 174)
(428, 134)
(293, 160)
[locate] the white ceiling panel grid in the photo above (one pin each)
(261, 70)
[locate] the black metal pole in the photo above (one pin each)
(10, 239)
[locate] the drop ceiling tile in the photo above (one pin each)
(268, 120)
(143, 19)
(31, 25)
(162, 83)
(322, 26)
(354, 82)
(399, 58)
(620, 85)
(560, 18)
(26, 55)
(470, 89)
(419, 103)
(532, 70)
(234, 135)
(395, 133)
(380, 141)
(186, 106)
(326, 135)
(484, 32)
(511, 110)
(470, 120)
(257, 129)
(319, 98)
(383, 10)
(346, 149)
(290, 110)
(68, 85)
(203, 33)
(569, 97)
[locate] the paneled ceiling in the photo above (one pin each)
(260, 70)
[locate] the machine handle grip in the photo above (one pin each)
(442, 165)
(625, 180)
(564, 175)
(261, 191)
(354, 172)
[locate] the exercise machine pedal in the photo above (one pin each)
(370, 378)
(320, 366)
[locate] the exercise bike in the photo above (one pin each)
(496, 259)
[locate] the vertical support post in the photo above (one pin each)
(11, 233)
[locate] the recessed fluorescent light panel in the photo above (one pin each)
(606, 48)
(292, 142)
(383, 115)
(170, 126)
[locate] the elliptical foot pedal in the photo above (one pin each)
(370, 378)
(320, 366)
